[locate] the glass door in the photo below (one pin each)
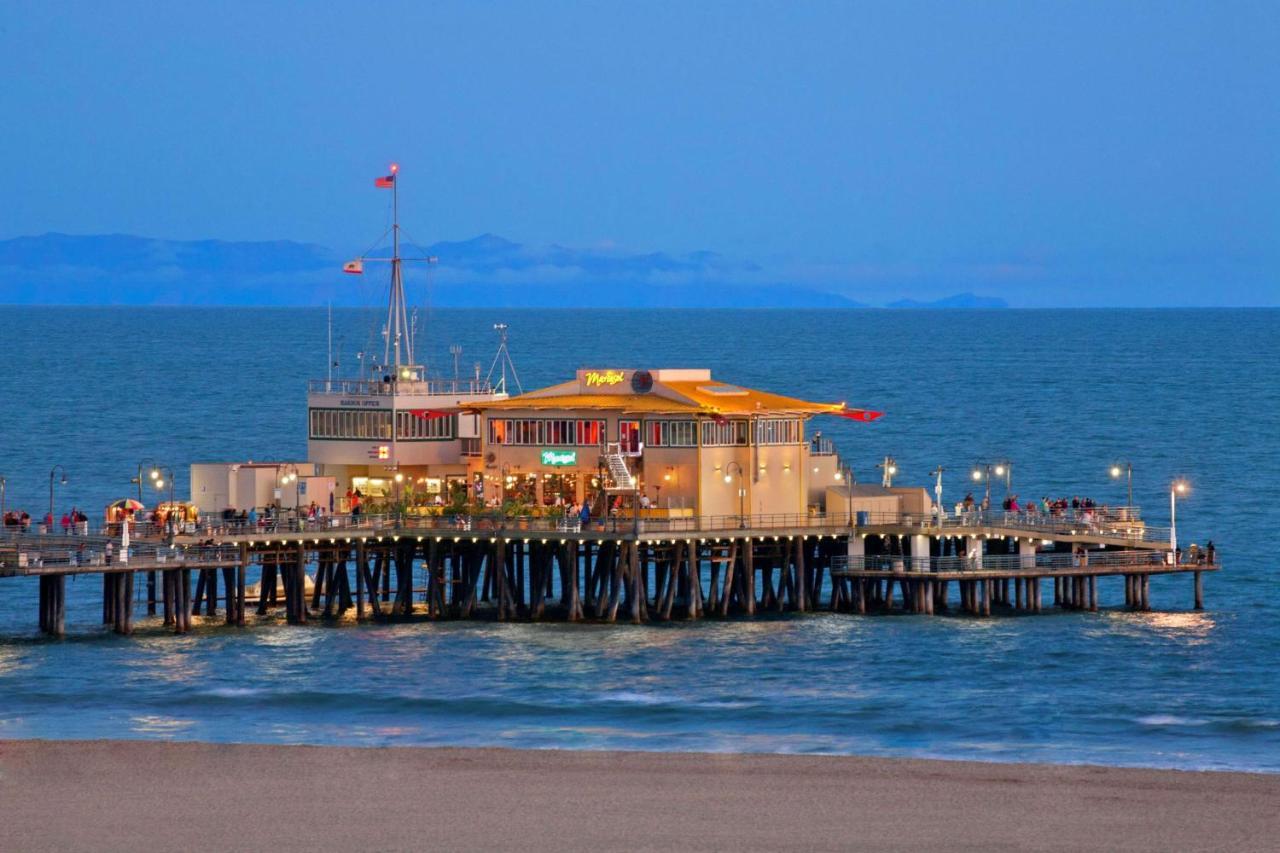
(629, 437)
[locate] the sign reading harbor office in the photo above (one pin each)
(559, 457)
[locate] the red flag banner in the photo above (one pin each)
(386, 182)
(429, 414)
(864, 415)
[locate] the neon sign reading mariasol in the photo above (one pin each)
(600, 378)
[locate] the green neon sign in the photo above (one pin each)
(559, 457)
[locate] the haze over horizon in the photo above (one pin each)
(1091, 155)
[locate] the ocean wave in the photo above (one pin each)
(1168, 720)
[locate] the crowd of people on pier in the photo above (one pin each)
(73, 521)
(1076, 508)
(16, 519)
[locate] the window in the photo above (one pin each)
(672, 434)
(590, 433)
(629, 436)
(410, 427)
(778, 431)
(553, 432)
(343, 425)
(724, 433)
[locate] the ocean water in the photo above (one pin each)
(1061, 393)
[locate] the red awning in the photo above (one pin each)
(429, 414)
(864, 415)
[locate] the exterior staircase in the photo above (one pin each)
(620, 476)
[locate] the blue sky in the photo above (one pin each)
(1052, 154)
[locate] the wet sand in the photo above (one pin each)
(134, 795)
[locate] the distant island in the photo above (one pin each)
(488, 270)
(960, 300)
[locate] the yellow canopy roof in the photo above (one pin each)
(687, 398)
(724, 399)
(646, 403)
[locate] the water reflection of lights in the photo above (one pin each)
(156, 725)
(1197, 626)
(11, 660)
(1191, 628)
(171, 666)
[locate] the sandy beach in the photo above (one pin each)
(118, 795)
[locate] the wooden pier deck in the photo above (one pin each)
(639, 570)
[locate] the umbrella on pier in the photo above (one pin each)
(127, 504)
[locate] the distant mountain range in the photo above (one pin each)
(488, 270)
(960, 300)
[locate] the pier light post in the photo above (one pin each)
(162, 477)
(889, 467)
(290, 475)
(936, 473)
(399, 490)
(3, 485)
(982, 474)
(137, 481)
(742, 491)
(1124, 469)
(1004, 470)
(844, 474)
(1177, 489)
(52, 474)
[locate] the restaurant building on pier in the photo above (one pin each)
(691, 445)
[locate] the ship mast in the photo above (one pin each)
(398, 338)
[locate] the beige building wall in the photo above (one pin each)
(776, 478)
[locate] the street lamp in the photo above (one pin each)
(162, 476)
(3, 485)
(742, 491)
(155, 475)
(982, 474)
(890, 467)
(290, 475)
(937, 493)
(1178, 488)
(1124, 469)
(1004, 469)
(53, 471)
(845, 475)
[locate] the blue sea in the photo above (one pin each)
(1063, 394)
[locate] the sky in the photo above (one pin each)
(1049, 153)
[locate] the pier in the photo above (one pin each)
(382, 568)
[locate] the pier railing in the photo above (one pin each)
(378, 388)
(1005, 563)
(966, 523)
(1114, 525)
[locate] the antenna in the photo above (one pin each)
(503, 358)
(455, 350)
(937, 490)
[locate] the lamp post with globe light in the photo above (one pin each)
(1124, 469)
(52, 474)
(1177, 489)
(741, 491)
